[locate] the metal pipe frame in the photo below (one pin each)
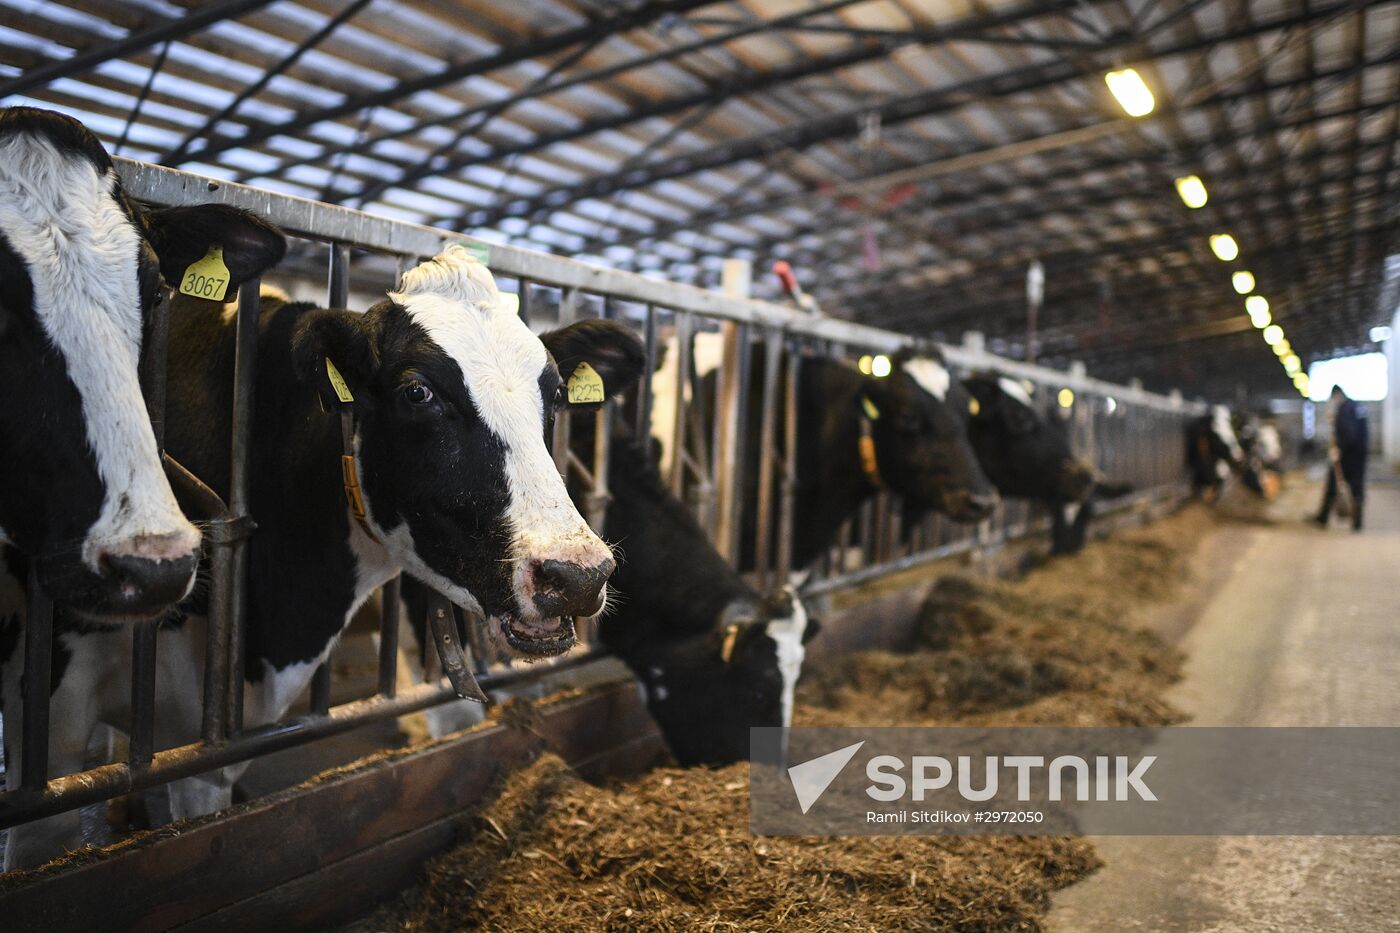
(788, 337)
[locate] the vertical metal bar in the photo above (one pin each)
(389, 638)
(321, 689)
(685, 328)
(525, 300)
(599, 495)
(568, 308)
(244, 383)
(141, 729)
(730, 471)
(789, 477)
(767, 457)
(338, 276)
(643, 430)
(38, 653)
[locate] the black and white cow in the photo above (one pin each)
(85, 499)
(1213, 454)
(1027, 455)
(452, 400)
(1263, 454)
(713, 656)
(916, 422)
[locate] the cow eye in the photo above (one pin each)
(417, 393)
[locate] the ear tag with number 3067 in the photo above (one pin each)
(585, 386)
(208, 277)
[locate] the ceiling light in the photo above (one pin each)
(1282, 348)
(1131, 91)
(864, 364)
(1066, 397)
(1292, 363)
(1224, 247)
(1380, 334)
(1273, 334)
(1192, 191)
(1243, 282)
(880, 366)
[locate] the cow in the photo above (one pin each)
(713, 656)
(1027, 455)
(439, 402)
(1213, 454)
(85, 504)
(1263, 454)
(857, 435)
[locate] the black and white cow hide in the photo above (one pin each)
(452, 399)
(85, 502)
(1027, 455)
(916, 419)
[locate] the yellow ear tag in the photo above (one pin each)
(585, 386)
(974, 407)
(342, 391)
(208, 277)
(871, 411)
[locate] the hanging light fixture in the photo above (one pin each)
(1131, 91)
(1224, 247)
(1243, 282)
(1192, 191)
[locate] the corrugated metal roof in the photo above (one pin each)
(909, 157)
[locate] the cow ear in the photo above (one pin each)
(331, 350)
(596, 359)
(181, 236)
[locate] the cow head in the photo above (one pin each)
(85, 495)
(917, 417)
(706, 692)
(1025, 454)
(453, 398)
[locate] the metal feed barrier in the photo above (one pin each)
(1133, 436)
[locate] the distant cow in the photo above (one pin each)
(444, 400)
(85, 499)
(1263, 453)
(713, 656)
(915, 420)
(1213, 454)
(1027, 455)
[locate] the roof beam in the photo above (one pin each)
(802, 135)
(643, 15)
(165, 30)
(714, 92)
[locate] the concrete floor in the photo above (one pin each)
(1294, 626)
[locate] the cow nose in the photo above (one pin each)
(144, 584)
(564, 588)
(973, 506)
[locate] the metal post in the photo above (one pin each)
(643, 427)
(789, 477)
(767, 457)
(244, 384)
(141, 729)
(568, 309)
(389, 637)
(38, 653)
(685, 329)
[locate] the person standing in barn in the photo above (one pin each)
(1347, 455)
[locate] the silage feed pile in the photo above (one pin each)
(672, 850)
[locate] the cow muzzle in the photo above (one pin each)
(968, 506)
(551, 593)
